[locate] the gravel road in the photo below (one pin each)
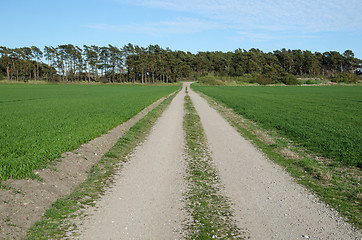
(266, 199)
(144, 202)
(25, 200)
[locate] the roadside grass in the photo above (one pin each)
(40, 122)
(338, 186)
(211, 215)
(56, 223)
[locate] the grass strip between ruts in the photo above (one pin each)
(210, 212)
(338, 187)
(55, 222)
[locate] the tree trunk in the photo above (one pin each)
(13, 70)
(8, 71)
(37, 67)
(88, 72)
(34, 74)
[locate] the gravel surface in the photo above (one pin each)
(266, 200)
(144, 202)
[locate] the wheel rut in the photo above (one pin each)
(266, 200)
(147, 200)
(144, 201)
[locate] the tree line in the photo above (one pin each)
(132, 63)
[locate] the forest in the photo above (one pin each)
(132, 63)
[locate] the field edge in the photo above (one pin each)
(337, 187)
(56, 222)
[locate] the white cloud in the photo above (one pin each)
(255, 37)
(298, 15)
(176, 26)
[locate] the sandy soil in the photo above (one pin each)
(27, 200)
(144, 202)
(265, 198)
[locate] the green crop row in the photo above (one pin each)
(326, 119)
(39, 122)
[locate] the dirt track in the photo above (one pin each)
(145, 201)
(266, 199)
(26, 200)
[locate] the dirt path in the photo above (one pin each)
(266, 199)
(144, 202)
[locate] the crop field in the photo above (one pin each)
(324, 119)
(39, 122)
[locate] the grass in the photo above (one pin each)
(325, 120)
(55, 222)
(339, 187)
(40, 122)
(211, 215)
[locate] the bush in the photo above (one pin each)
(1, 76)
(103, 80)
(246, 78)
(210, 80)
(346, 78)
(227, 80)
(289, 79)
(264, 80)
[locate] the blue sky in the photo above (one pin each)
(188, 25)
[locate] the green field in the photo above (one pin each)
(39, 122)
(325, 119)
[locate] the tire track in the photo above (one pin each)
(210, 213)
(146, 199)
(24, 201)
(266, 200)
(144, 202)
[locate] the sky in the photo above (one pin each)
(187, 25)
